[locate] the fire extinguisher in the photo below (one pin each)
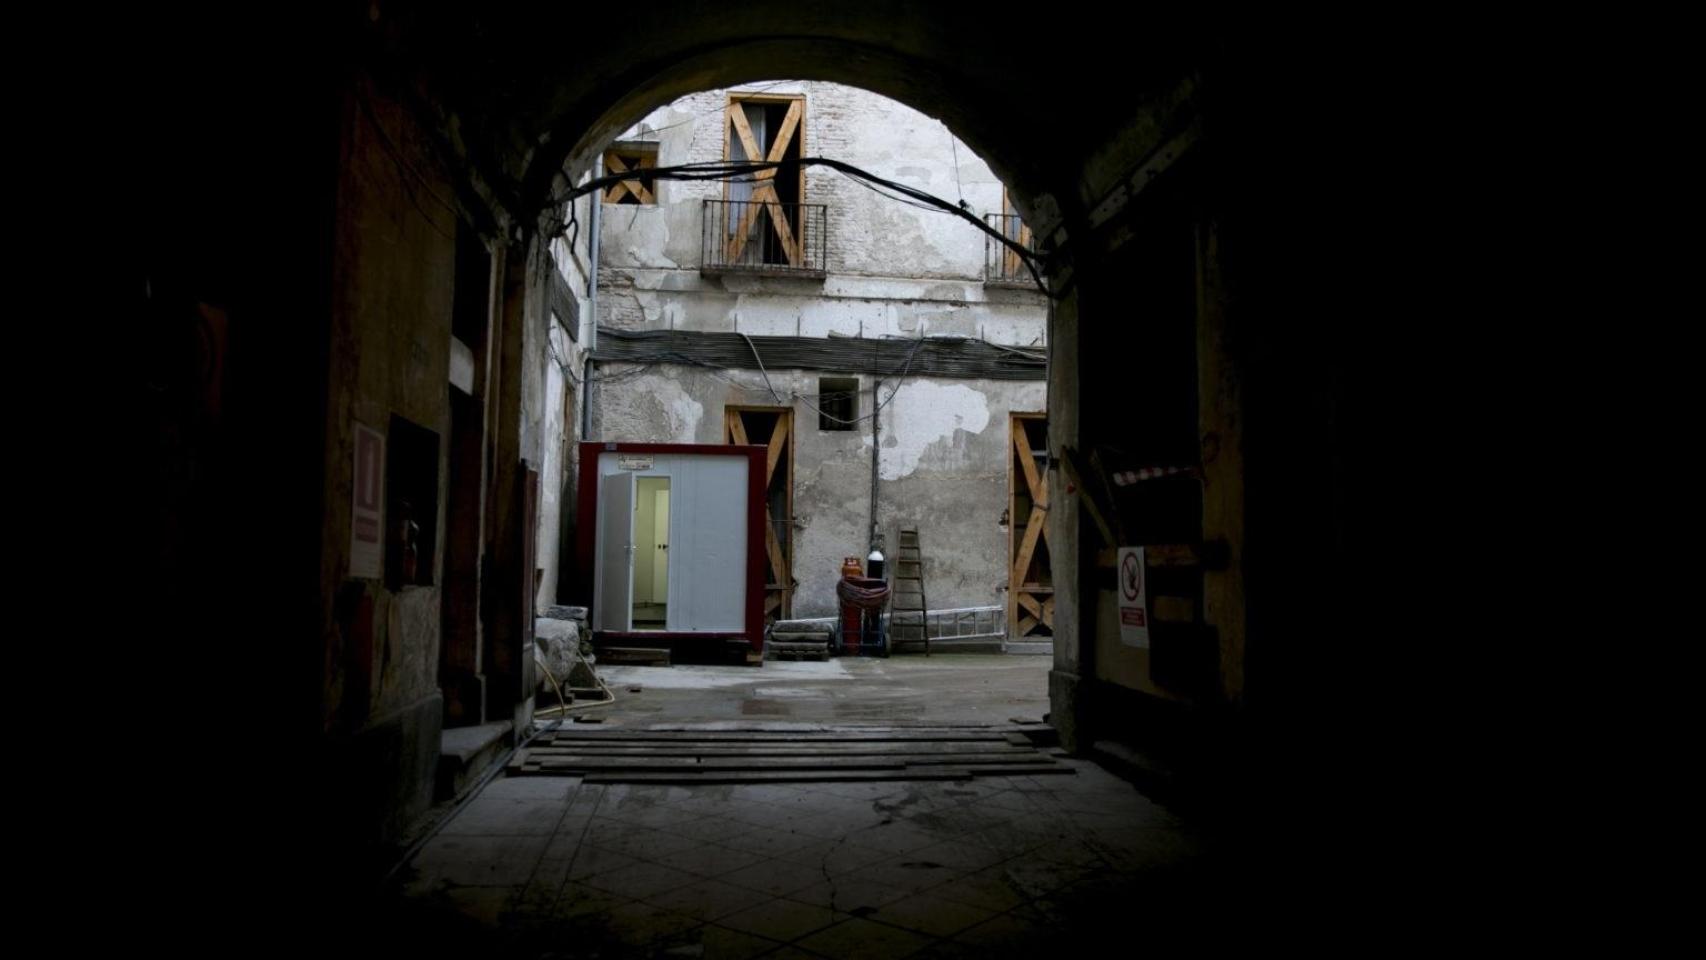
(408, 540)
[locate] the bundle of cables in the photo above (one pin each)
(863, 593)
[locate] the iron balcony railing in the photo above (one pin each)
(1000, 263)
(765, 236)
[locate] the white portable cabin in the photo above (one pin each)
(671, 540)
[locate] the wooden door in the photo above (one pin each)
(772, 428)
(1030, 583)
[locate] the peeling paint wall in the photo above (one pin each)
(926, 419)
(943, 466)
(892, 270)
(551, 460)
(562, 355)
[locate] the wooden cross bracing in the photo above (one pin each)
(1011, 263)
(614, 164)
(1030, 601)
(779, 577)
(764, 185)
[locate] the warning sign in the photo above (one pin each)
(633, 463)
(1134, 598)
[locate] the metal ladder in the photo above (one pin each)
(908, 608)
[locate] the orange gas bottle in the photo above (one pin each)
(852, 567)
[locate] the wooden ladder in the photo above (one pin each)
(908, 609)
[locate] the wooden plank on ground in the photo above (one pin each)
(591, 764)
(602, 764)
(773, 736)
(781, 776)
(982, 759)
(1016, 743)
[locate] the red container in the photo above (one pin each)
(862, 602)
(851, 627)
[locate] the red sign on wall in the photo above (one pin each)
(1134, 599)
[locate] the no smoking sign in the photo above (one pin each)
(1134, 603)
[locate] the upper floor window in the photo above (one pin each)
(1002, 264)
(761, 220)
(631, 157)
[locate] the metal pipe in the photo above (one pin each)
(586, 396)
(876, 457)
(594, 216)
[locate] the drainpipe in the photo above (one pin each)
(876, 456)
(597, 204)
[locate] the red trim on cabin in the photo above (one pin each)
(757, 547)
(667, 635)
(586, 530)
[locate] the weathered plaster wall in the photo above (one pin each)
(892, 268)
(869, 234)
(944, 469)
(390, 354)
(566, 342)
(552, 454)
(667, 299)
(943, 466)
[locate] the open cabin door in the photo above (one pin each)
(615, 611)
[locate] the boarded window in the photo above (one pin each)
(631, 157)
(763, 222)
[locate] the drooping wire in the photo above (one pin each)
(747, 171)
(959, 188)
(644, 364)
(774, 395)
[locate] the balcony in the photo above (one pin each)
(1001, 266)
(764, 236)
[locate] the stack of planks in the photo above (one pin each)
(798, 640)
(769, 756)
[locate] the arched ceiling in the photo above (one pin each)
(1040, 97)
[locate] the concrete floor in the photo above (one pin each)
(998, 866)
(957, 689)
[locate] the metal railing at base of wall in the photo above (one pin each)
(960, 623)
